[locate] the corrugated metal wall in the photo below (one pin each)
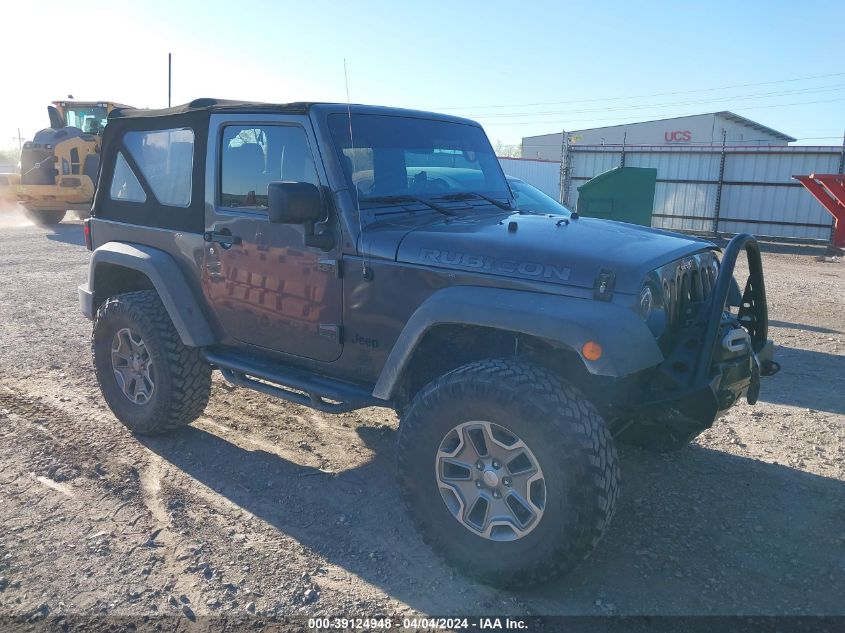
(543, 174)
(731, 189)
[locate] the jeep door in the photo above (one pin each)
(266, 287)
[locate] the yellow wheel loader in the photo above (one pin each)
(59, 166)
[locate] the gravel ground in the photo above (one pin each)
(269, 508)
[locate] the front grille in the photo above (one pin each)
(37, 167)
(687, 284)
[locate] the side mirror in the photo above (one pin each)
(293, 202)
(299, 203)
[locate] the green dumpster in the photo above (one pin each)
(625, 194)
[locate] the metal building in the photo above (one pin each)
(711, 129)
(705, 189)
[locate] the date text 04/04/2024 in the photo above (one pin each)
(482, 624)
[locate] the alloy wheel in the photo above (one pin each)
(132, 366)
(490, 481)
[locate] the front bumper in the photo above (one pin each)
(717, 358)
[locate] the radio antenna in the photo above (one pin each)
(366, 273)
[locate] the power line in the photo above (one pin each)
(831, 88)
(656, 94)
(662, 116)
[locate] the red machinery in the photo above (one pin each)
(829, 189)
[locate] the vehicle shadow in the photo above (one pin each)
(706, 531)
(817, 373)
(698, 531)
(803, 326)
(68, 233)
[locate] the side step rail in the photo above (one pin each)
(323, 394)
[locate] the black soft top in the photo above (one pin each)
(206, 106)
(209, 105)
(195, 115)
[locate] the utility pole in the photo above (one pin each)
(718, 207)
(624, 145)
(169, 76)
(563, 193)
(19, 139)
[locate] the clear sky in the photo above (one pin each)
(520, 68)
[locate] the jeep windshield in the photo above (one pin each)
(395, 160)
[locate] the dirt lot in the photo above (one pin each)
(268, 507)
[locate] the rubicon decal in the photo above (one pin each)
(494, 264)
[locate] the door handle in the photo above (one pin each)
(224, 238)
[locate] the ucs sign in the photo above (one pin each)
(678, 136)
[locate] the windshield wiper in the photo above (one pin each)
(405, 198)
(464, 195)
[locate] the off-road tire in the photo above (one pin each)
(565, 432)
(43, 217)
(183, 378)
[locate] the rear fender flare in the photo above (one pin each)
(627, 343)
(167, 279)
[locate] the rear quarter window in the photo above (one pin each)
(153, 172)
(165, 159)
(124, 183)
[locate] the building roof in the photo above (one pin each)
(725, 114)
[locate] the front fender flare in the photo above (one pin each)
(167, 279)
(628, 345)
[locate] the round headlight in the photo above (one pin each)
(646, 304)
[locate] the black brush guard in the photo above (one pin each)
(717, 357)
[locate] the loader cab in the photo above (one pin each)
(59, 165)
(89, 116)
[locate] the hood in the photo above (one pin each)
(536, 247)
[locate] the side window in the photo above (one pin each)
(251, 157)
(165, 158)
(124, 182)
